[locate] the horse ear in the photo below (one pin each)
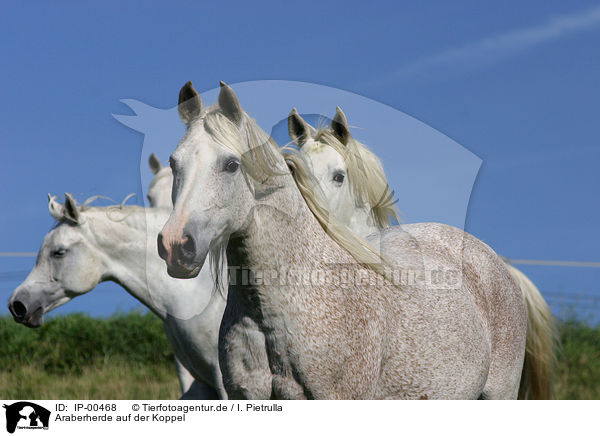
(155, 165)
(55, 208)
(298, 129)
(230, 104)
(340, 127)
(71, 210)
(190, 103)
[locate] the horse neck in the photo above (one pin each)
(124, 245)
(276, 241)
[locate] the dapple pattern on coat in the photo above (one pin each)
(366, 340)
(334, 153)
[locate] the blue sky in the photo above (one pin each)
(515, 83)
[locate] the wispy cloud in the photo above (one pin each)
(498, 47)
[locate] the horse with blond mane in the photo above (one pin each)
(354, 184)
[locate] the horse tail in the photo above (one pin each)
(541, 341)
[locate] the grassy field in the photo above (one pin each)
(578, 373)
(77, 357)
(127, 357)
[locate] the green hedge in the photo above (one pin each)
(135, 343)
(70, 343)
(578, 372)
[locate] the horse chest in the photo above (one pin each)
(194, 346)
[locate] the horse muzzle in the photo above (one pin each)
(28, 316)
(180, 256)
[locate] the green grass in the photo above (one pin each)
(578, 373)
(127, 357)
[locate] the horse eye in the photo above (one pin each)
(338, 178)
(232, 166)
(59, 252)
(173, 164)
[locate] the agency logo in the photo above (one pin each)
(424, 168)
(26, 415)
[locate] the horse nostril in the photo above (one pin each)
(162, 250)
(19, 310)
(188, 249)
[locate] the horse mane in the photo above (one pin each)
(264, 161)
(366, 176)
(87, 203)
(309, 187)
(217, 257)
(117, 207)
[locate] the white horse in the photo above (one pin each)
(90, 245)
(159, 192)
(354, 184)
(343, 329)
(349, 174)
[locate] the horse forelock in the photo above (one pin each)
(314, 147)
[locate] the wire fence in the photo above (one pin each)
(567, 263)
(579, 305)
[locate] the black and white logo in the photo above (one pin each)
(26, 415)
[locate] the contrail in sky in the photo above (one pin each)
(495, 48)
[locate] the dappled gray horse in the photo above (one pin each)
(356, 189)
(373, 337)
